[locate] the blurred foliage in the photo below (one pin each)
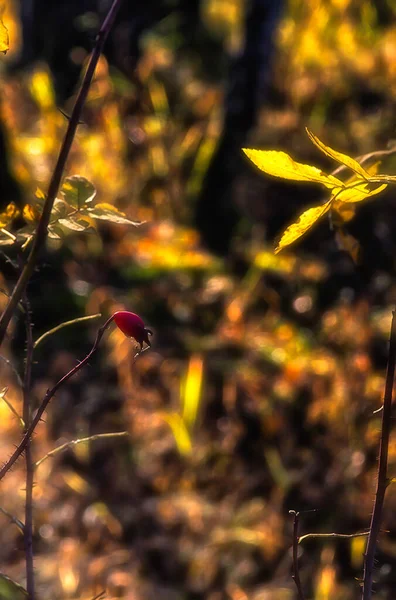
(259, 392)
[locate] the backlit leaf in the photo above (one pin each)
(357, 193)
(78, 191)
(10, 589)
(4, 38)
(280, 164)
(342, 212)
(191, 390)
(42, 89)
(349, 244)
(30, 213)
(74, 224)
(180, 432)
(8, 214)
(55, 233)
(305, 221)
(108, 212)
(344, 159)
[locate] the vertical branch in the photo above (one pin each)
(28, 529)
(53, 188)
(296, 573)
(382, 481)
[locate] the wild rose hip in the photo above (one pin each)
(132, 326)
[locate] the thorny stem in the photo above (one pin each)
(382, 481)
(42, 228)
(47, 398)
(343, 536)
(28, 528)
(296, 539)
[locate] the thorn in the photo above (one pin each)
(68, 117)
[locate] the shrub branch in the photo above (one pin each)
(53, 188)
(382, 480)
(47, 398)
(28, 528)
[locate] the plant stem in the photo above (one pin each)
(296, 539)
(382, 481)
(46, 400)
(28, 528)
(53, 188)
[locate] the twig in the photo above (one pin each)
(296, 539)
(64, 324)
(9, 405)
(48, 396)
(382, 481)
(9, 363)
(99, 596)
(28, 529)
(91, 438)
(13, 519)
(41, 232)
(308, 536)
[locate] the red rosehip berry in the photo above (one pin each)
(132, 326)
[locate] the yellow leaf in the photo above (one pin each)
(4, 39)
(350, 244)
(344, 159)
(358, 548)
(42, 90)
(342, 213)
(191, 390)
(357, 193)
(305, 221)
(30, 213)
(280, 164)
(180, 432)
(11, 212)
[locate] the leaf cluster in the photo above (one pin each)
(362, 185)
(74, 211)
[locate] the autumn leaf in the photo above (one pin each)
(4, 38)
(280, 164)
(342, 213)
(10, 212)
(357, 193)
(349, 244)
(303, 224)
(107, 212)
(344, 159)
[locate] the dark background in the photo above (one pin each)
(286, 354)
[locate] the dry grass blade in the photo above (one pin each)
(91, 438)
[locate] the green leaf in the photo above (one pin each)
(78, 191)
(75, 224)
(344, 159)
(60, 210)
(280, 164)
(55, 233)
(10, 589)
(108, 212)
